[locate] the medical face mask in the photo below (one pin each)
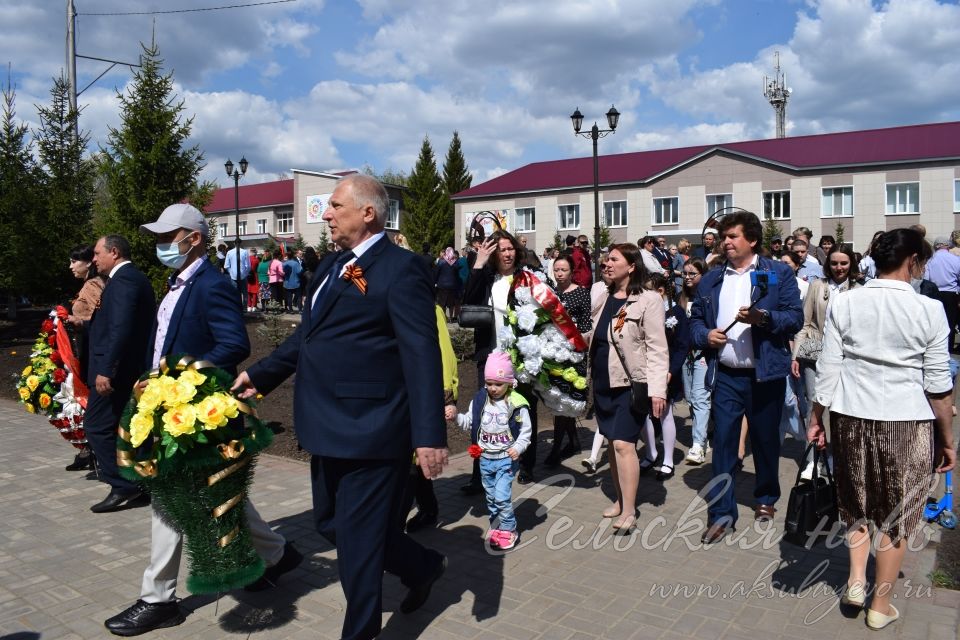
(169, 254)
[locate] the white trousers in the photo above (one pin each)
(166, 547)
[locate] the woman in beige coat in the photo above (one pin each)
(628, 344)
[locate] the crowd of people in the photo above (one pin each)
(757, 340)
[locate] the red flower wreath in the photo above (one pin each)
(47, 326)
(59, 375)
(475, 450)
(56, 358)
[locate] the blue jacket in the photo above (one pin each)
(771, 344)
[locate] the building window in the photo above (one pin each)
(285, 222)
(956, 196)
(903, 197)
(836, 202)
(666, 210)
(776, 205)
(262, 226)
(526, 219)
(222, 230)
(242, 229)
(393, 215)
(615, 213)
(717, 202)
(569, 216)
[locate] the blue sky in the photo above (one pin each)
(337, 84)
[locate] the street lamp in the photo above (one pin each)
(233, 173)
(595, 133)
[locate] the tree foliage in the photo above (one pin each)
(387, 176)
(771, 230)
(456, 178)
(147, 163)
(425, 218)
(839, 233)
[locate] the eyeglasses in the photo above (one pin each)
(690, 274)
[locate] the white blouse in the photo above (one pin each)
(884, 345)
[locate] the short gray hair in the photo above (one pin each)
(369, 191)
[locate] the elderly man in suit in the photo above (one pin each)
(369, 391)
(199, 316)
(119, 332)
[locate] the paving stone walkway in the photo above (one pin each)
(63, 569)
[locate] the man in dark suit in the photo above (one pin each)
(744, 329)
(198, 316)
(368, 392)
(119, 332)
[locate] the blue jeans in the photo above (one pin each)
(497, 478)
(736, 394)
(698, 396)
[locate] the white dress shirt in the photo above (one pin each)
(116, 267)
(884, 345)
(169, 303)
(735, 291)
(358, 251)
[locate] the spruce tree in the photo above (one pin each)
(456, 178)
(67, 184)
(425, 211)
(22, 218)
(147, 163)
(771, 230)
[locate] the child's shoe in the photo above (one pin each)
(493, 538)
(507, 540)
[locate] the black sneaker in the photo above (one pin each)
(288, 562)
(143, 617)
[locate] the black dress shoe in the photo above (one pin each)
(665, 475)
(288, 562)
(143, 617)
(524, 476)
(552, 461)
(420, 521)
(114, 501)
(472, 488)
(82, 461)
(418, 595)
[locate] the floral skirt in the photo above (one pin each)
(265, 292)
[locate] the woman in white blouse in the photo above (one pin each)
(884, 374)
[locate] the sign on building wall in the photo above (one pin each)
(316, 205)
(484, 223)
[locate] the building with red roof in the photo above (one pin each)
(863, 180)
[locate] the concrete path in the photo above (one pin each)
(64, 570)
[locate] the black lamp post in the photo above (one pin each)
(595, 133)
(233, 173)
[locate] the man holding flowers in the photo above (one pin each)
(200, 316)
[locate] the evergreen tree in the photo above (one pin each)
(425, 211)
(388, 176)
(771, 230)
(456, 178)
(67, 184)
(22, 218)
(839, 233)
(558, 242)
(147, 165)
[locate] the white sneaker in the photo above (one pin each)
(696, 455)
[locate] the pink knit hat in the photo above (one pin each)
(499, 368)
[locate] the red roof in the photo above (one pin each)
(915, 143)
(265, 194)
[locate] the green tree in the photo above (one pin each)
(323, 243)
(456, 178)
(67, 184)
(771, 230)
(425, 212)
(388, 176)
(604, 237)
(22, 216)
(838, 233)
(558, 242)
(147, 162)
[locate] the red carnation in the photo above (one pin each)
(52, 340)
(474, 450)
(56, 358)
(59, 375)
(47, 326)
(62, 312)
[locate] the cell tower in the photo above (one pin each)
(777, 92)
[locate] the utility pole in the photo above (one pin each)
(72, 53)
(777, 92)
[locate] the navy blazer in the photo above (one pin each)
(207, 322)
(678, 343)
(369, 383)
(771, 344)
(119, 330)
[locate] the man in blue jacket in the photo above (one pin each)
(744, 327)
(368, 392)
(199, 316)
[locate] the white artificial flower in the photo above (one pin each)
(523, 295)
(528, 346)
(576, 356)
(533, 364)
(527, 317)
(506, 338)
(670, 322)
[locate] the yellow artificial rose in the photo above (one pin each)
(141, 424)
(193, 377)
(150, 399)
(30, 407)
(45, 400)
(180, 392)
(570, 374)
(24, 393)
(27, 370)
(580, 383)
(233, 409)
(211, 411)
(180, 420)
(33, 382)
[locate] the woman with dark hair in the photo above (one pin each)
(825, 246)
(447, 281)
(576, 300)
(310, 262)
(263, 279)
(81, 310)
(885, 377)
(868, 269)
(695, 368)
(497, 262)
(627, 345)
(650, 263)
(792, 260)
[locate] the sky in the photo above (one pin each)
(328, 85)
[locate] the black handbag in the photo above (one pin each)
(475, 316)
(639, 393)
(812, 509)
